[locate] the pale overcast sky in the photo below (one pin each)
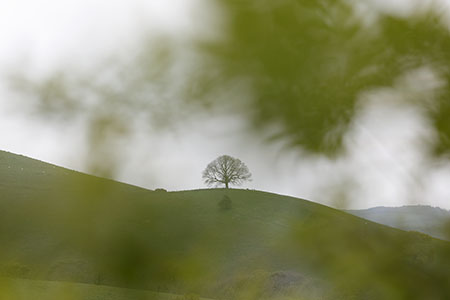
(385, 163)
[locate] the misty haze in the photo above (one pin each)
(221, 149)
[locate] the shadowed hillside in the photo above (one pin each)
(62, 225)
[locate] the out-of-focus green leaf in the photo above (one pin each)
(309, 61)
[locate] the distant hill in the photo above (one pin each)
(57, 224)
(434, 221)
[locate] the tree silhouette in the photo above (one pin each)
(226, 170)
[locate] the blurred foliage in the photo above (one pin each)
(20, 289)
(389, 265)
(301, 68)
(308, 62)
(60, 225)
(136, 91)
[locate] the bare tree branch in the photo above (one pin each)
(226, 170)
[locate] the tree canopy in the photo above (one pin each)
(226, 170)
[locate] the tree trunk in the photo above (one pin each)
(226, 184)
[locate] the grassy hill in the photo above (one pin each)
(25, 289)
(56, 224)
(434, 221)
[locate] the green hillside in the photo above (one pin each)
(57, 224)
(25, 289)
(434, 221)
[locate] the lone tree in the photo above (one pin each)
(226, 170)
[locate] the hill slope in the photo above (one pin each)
(57, 224)
(25, 289)
(434, 221)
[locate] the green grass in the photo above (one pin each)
(56, 224)
(25, 289)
